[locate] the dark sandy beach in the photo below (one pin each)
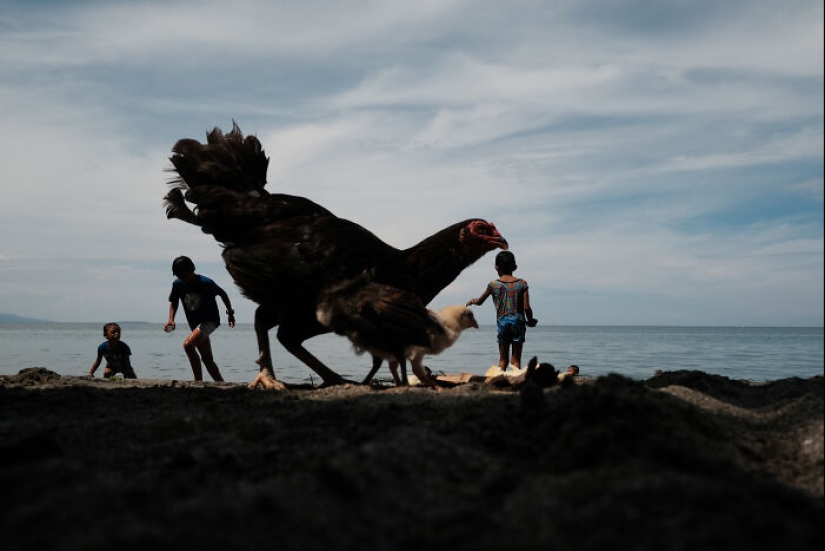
(684, 460)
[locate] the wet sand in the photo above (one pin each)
(684, 460)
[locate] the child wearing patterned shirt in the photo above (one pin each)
(511, 297)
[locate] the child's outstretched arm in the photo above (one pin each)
(94, 367)
(480, 300)
(170, 325)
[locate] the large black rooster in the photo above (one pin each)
(300, 262)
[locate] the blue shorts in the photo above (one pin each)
(511, 329)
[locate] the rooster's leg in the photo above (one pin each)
(394, 370)
(376, 363)
(403, 361)
(264, 321)
(327, 375)
(421, 372)
(292, 332)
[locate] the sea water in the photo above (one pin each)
(755, 353)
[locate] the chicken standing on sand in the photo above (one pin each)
(452, 320)
(284, 251)
(378, 318)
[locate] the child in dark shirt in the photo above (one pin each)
(116, 353)
(197, 293)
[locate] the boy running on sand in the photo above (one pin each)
(197, 293)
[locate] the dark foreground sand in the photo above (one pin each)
(684, 460)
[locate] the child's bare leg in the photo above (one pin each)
(516, 361)
(503, 355)
(190, 347)
(205, 348)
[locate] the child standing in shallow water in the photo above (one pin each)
(511, 297)
(116, 353)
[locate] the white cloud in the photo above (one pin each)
(621, 158)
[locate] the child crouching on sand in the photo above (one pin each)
(116, 353)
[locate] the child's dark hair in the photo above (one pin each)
(108, 325)
(182, 265)
(506, 262)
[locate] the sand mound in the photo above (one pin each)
(685, 460)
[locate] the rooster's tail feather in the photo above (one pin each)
(223, 178)
(229, 161)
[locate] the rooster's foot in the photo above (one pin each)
(267, 381)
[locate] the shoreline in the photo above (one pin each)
(157, 355)
(681, 460)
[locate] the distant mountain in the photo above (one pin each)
(14, 318)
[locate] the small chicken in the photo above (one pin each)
(453, 320)
(379, 319)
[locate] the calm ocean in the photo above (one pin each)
(755, 353)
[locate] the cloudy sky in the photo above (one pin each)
(649, 162)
